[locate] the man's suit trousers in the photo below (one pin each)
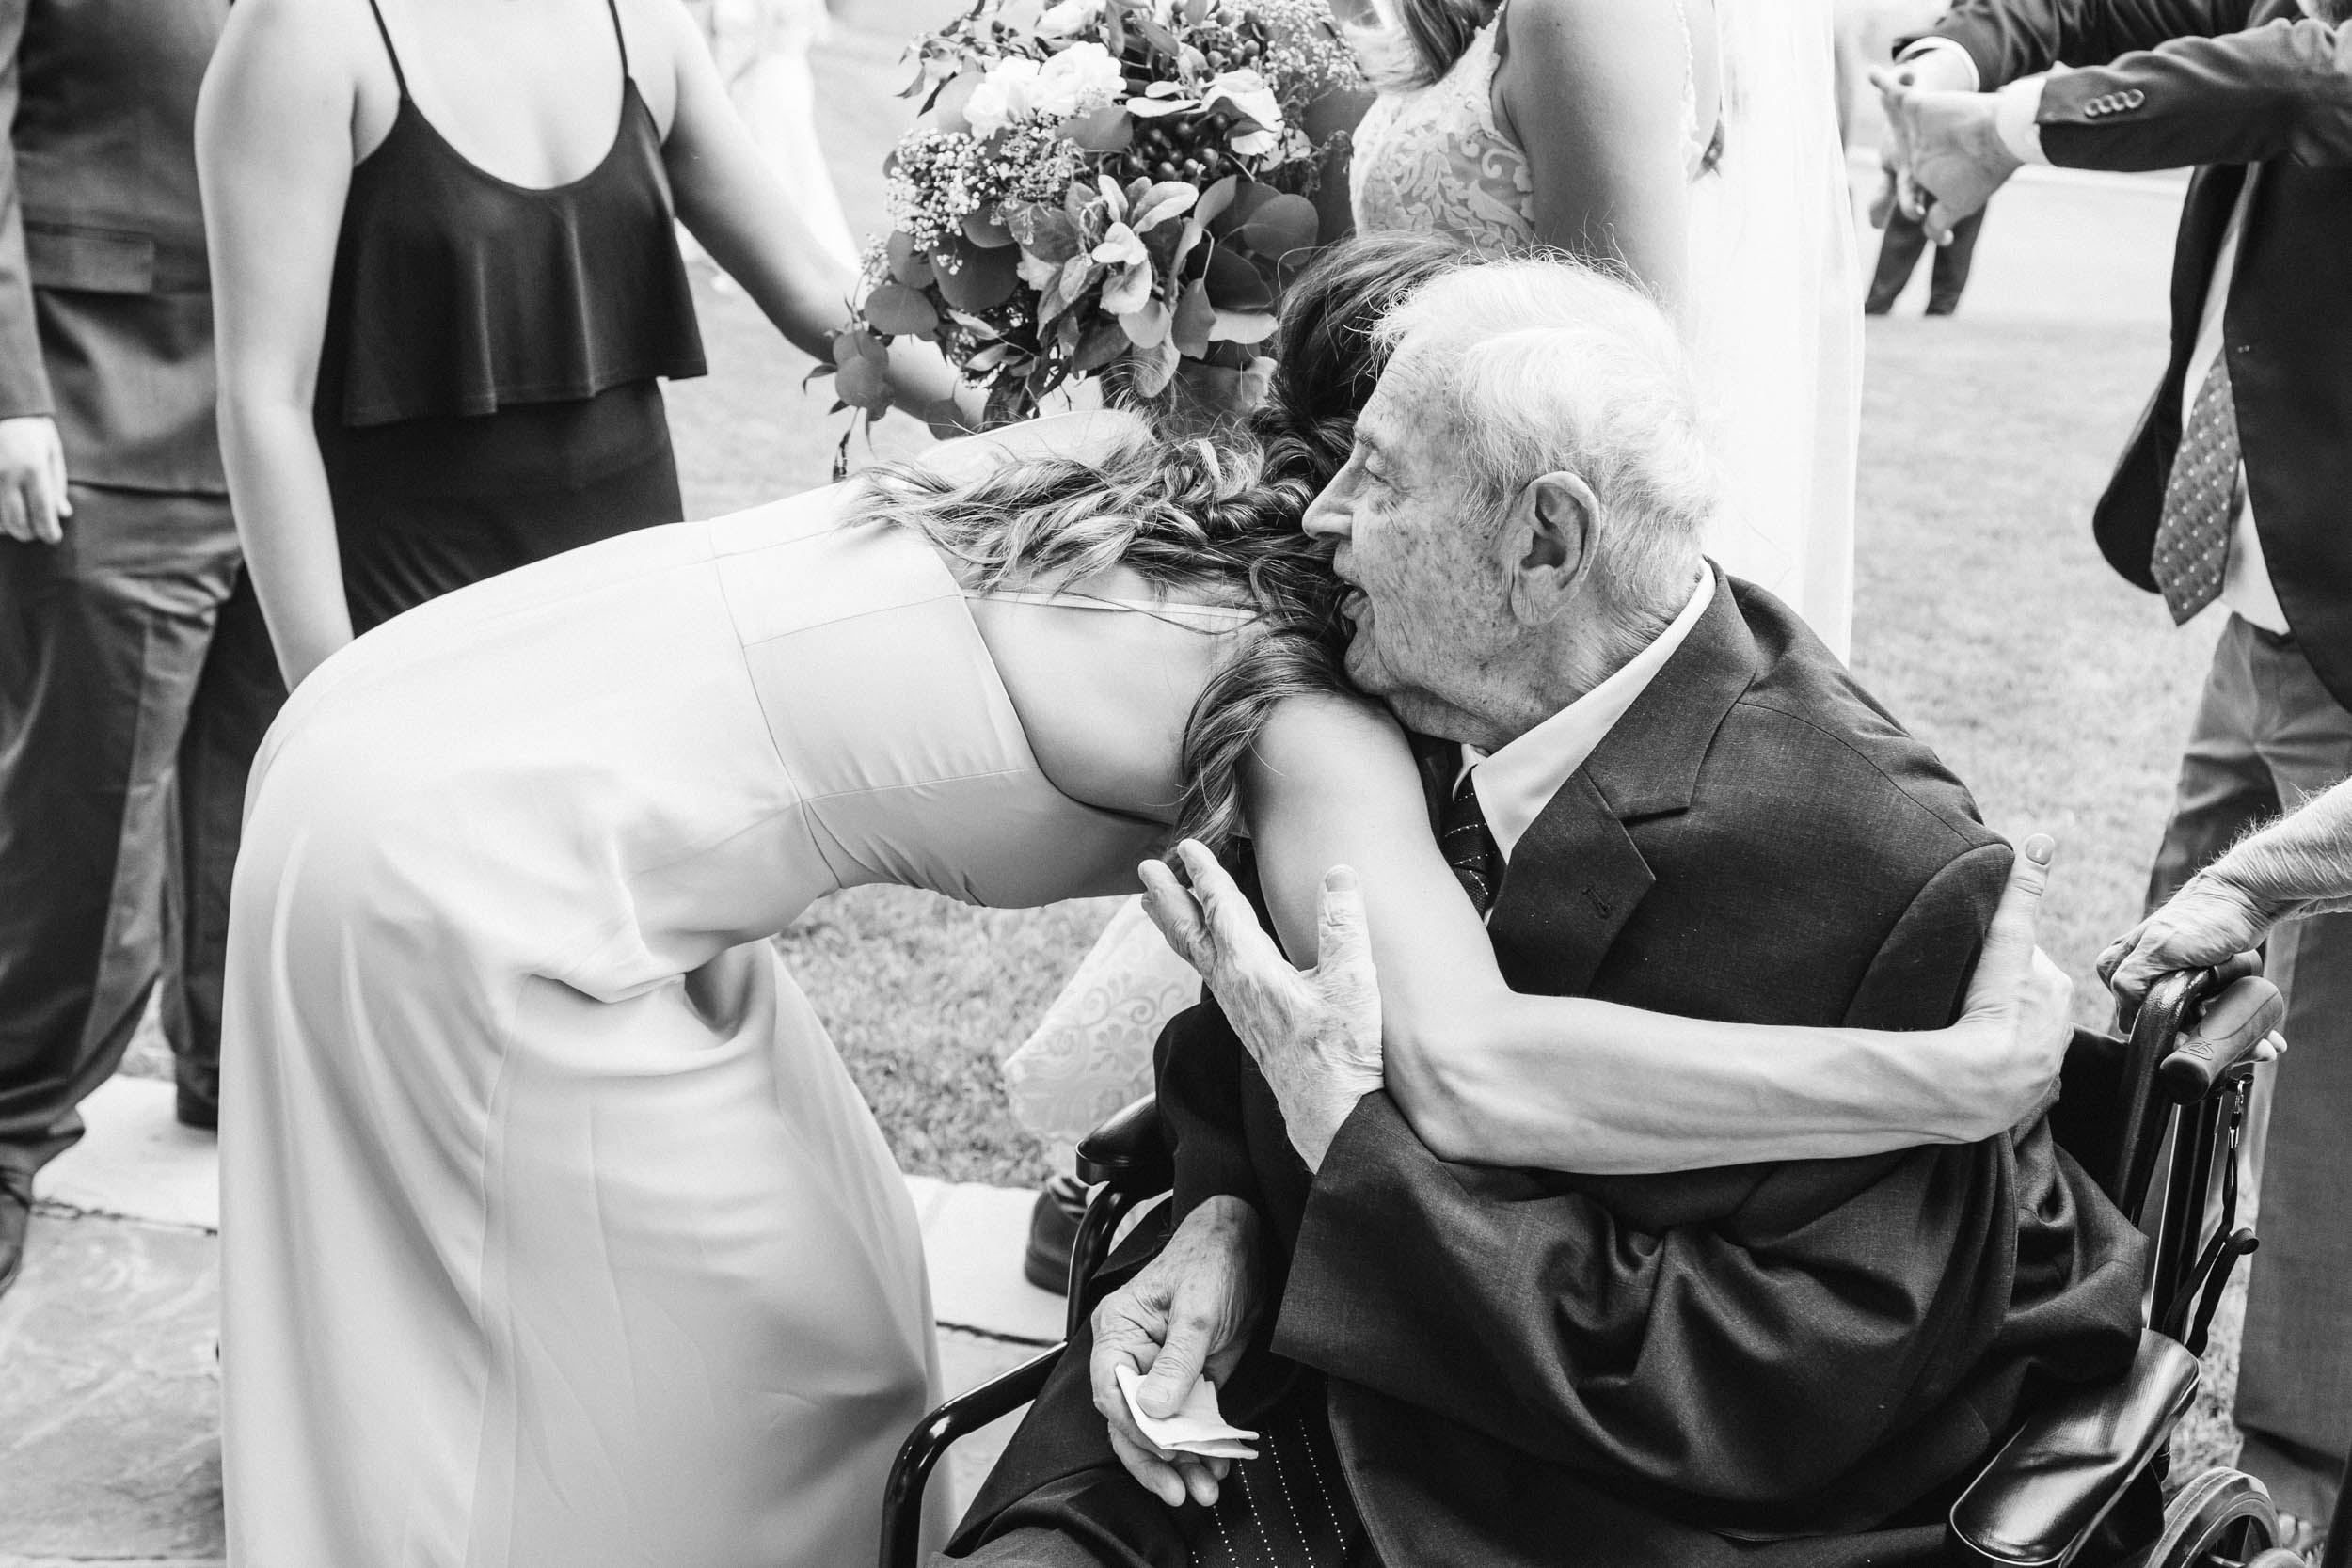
(2267, 736)
(124, 738)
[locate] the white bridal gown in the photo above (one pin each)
(555, 1232)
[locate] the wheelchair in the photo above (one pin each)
(2047, 1499)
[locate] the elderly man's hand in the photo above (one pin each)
(2203, 925)
(1949, 147)
(1315, 1033)
(1186, 1315)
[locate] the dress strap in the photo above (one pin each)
(618, 37)
(391, 53)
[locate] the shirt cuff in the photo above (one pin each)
(1922, 48)
(2016, 109)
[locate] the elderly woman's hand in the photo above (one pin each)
(2203, 925)
(1315, 1033)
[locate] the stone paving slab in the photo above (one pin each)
(110, 1392)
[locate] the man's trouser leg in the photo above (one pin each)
(102, 636)
(1899, 254)
(237, 695)
(2268, 735)
(1948, 277)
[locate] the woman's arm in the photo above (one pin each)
(1594, 91)
(1487, 1075)
(729, 198)
(274, 156)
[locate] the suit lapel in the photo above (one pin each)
(1576, 876)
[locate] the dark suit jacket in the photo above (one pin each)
(2223, 84)
(1530, 1367)
(106, 314)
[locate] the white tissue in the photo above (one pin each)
(1197, 1429)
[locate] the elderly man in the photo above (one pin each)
(1671, 795)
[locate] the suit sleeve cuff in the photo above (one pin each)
(2016, 115)
(1922, 48)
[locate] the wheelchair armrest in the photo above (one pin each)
(920, 1454)
(1130, 1149)
(2037, 1501)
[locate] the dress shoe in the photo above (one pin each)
(1061, 1203)
(194, 1108)
(1941, 307)
(16, 1217)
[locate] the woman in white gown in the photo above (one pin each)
(1695, 142)
(554, 1230)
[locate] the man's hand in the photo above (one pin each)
(1187, 1314)
(2203, 925)
(1949, 150)
(1929, 70)
(1315, 1033)
(32, 480)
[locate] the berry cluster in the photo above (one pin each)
(1190, 148)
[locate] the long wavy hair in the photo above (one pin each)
(1214, 516)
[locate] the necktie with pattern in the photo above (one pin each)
(1468, 845)
(2192, 549)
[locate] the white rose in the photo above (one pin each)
(1066, 17)
(1005, 94)
(1081, 78)
(1248, 95)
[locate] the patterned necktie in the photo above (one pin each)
(1468, 845)
(2200, 501)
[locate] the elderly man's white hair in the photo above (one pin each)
(1532, 366)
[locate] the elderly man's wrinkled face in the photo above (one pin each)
(1431, 602)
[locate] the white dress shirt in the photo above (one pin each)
(1515, 783)
(2246, 587)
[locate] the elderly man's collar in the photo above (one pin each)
(1576, 876)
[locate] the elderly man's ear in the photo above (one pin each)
(1547, 543)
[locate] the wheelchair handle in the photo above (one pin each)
(2195, 1065)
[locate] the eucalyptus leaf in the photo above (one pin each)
(1153, 368)
(907, 264)
(862, 384)
(1104, 342)
(1281, 224)
(894, 308)
(1148, 327)
(985, 231)
(982, 279)
(1243, 326)
(1194, 316)
(1235, 284)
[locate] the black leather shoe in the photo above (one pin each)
(16, 1217)
(194, 1108)
(1061, 1203)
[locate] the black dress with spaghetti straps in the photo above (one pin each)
(486, 391)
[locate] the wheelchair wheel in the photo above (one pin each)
(2222, 1519)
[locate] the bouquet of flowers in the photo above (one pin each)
(1098, 187)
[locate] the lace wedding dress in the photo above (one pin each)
(1773, 312)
